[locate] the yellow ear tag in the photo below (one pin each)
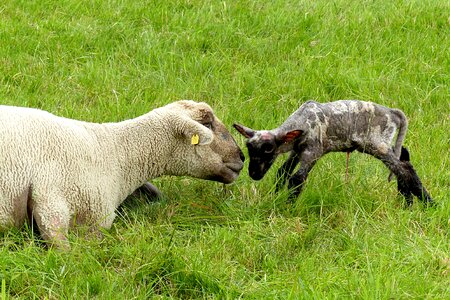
(195, 139)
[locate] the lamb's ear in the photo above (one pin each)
(245, 131)
(195, 133)
(290, 136)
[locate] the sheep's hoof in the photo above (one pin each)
(150, 191)
(59, 245)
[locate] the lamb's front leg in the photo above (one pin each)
(308, 160)
(286, 170)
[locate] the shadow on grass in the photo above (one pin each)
(169, 275)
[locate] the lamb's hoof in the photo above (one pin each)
(292, 197)
(426, 198)
(390, 177)
(408, 200)
(428, 202)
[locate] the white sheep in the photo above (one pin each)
(64, 172)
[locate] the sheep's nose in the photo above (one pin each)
(241, 155)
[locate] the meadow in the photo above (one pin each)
(254, 62)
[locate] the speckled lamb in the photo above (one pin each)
(64, 172)
(316, 129)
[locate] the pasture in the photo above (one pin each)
(254, 62)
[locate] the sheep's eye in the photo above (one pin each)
(268, 148)
(208, 125)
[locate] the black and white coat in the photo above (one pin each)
(316, 129)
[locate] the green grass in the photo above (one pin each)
(255, 62)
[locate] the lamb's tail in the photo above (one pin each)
(402, 128)
(404, 156)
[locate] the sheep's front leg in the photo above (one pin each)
(286, 170)
(296, 182)
(52, 218)
(102, 221)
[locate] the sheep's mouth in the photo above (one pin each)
(228, 173)
(232, 171)
(235, 167)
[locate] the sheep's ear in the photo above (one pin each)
(290, 136)
(196, 133)
(245, 131)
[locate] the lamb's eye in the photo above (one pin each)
(268, 148)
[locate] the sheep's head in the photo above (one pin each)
(206, 150)
(264, 146)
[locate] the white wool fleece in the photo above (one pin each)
(64, 171)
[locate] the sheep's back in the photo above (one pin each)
(46, 151)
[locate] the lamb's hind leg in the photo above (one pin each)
(286, 170)
(416, 186)
(52, 218)
(408, 182)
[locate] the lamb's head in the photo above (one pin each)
(205, 148)
(264, 146)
